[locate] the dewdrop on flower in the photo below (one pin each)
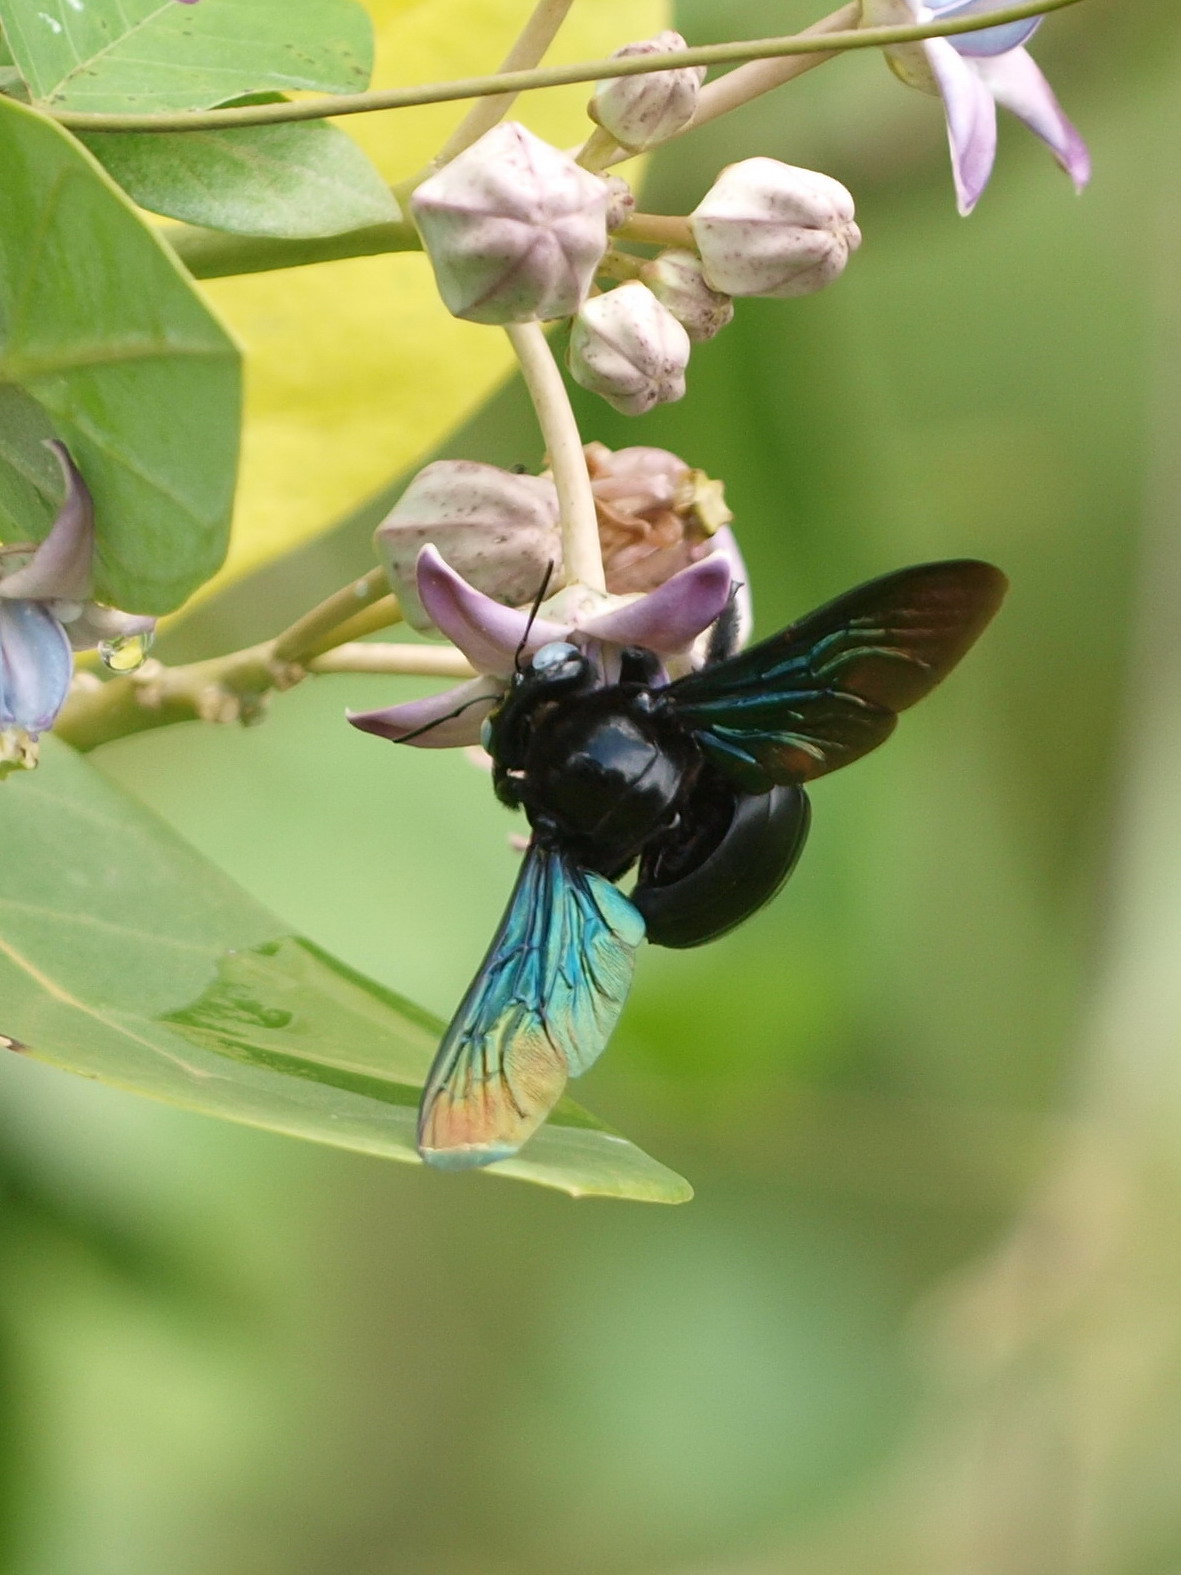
(643, 111)
(514, 229)
(629, 349)
(677, 280)
(499, 530)
(767, 228)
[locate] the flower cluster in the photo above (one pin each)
(518, 231)
(46, 614)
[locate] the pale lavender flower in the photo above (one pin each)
(46, 613)
(629, 349)
(769, 228)
(973, 73)
(497, 640)
(643, 111)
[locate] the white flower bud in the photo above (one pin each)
(621, 202)
(514, 229)
(495, 528)
(766, 228)
(643, 111)
(630, 349)
(677, 281)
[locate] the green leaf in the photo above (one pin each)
(145, 55)
(30, 478)
(291, 181)
(101, 328)
(125, 957)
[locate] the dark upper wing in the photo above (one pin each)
(827, 690)
(541, 1009)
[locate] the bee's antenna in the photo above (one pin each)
(439, 720)
(533, 611)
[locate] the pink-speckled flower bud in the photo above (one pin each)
(514, 229)
(630, 349)
(498, 529)
(766, 228)
(677, 280)
(644, 111)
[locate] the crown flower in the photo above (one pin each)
(643, 111)
(630, 349)
(514, 229)
(767, 228)
(973, 73)
(46, 613)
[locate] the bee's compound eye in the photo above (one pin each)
(555, 654)
(486, 734)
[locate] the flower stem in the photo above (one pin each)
(217, 254)
(432, 661)
(619, 265)
(305, 637)
(582, 556)
(601, 150)
(381, 615)
(230, 688)
(500, 83)
(658, 229)
(756, 77)
(534, 39)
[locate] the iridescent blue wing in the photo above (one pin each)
(827, 690)
(541, 1009)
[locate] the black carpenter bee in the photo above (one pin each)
(698, 785)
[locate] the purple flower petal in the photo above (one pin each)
(448, 720)
(971, 120)
(36, 665)
(671, 617)
(489, 634)
(989, 40)
(1016, 82)
(725, 542)
(60, 568)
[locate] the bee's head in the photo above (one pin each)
(559, 662)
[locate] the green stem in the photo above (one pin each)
(757, 77)
(733, 90)
(215, 254)
(535, 38)
(430, 661)
(658, 229)
(231, 688)
(582, 555)
(308, 634)
(619, 265)
(501, 83)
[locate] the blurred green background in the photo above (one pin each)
(924, 1315)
